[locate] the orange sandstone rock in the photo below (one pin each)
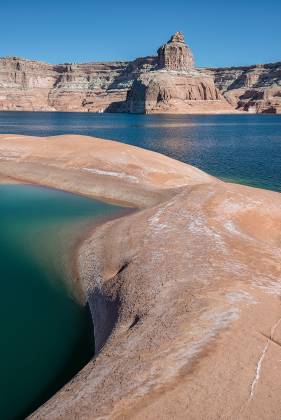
(188, 289)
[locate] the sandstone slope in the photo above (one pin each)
(184, 294)
(191, 288)
(94, 167)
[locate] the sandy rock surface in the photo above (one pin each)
(197, 283)
(185, 293)
(94, 167)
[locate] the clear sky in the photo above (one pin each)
(220, 33)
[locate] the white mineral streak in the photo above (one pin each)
(261, 359)
(123, 175)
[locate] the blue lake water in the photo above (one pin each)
(243, 148)
(46, 335)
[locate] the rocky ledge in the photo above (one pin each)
(168, 82)
(185, 293)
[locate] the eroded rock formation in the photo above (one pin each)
(175, 55)
(255, 89)
(36, 86)
(140, 85)
(175, 86)
(175, 92)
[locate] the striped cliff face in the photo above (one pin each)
(254, 89)
(109, 86)
(36, 86)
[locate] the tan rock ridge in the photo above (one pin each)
(95, 167)
(188, 289)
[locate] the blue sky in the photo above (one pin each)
(220, 33)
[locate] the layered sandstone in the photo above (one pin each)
(35, 86)
(113, 87)
(181, 93)
(185, 294)
(175, 55)
(175, 86)
(255, 89)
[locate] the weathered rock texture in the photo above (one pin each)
(175, 86)
(191, 285)
(175, 55)
(175, 92)
(36, 86)
(94, 167)
(255, 89)
(140, 85)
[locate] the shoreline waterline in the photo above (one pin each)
(40, 229)
(244, 146)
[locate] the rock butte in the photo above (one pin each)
(185, 293)
(167, 83)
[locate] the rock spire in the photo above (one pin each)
(175, 54)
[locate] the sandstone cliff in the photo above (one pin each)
(166, 83)
(252, 89)
(35, 86)
(175, 55)
(175, 86)
(181, 93)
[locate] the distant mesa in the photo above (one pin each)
(174, 85)
(168, 82)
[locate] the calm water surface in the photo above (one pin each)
(46, 336)
(244, 148)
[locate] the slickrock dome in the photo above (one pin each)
(176, 54)
(184, 294)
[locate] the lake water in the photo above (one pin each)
(46, 335)
(243, 148)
